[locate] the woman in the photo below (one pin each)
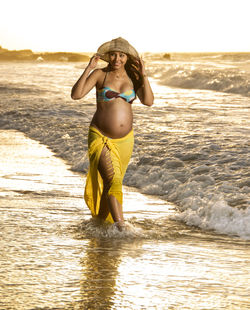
(111, 138)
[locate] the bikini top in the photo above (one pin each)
(105, 93)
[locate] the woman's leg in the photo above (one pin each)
(108, 202)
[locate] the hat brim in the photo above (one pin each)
(116, 45)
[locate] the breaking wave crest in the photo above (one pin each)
(227, 80)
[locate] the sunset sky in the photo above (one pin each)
(153, 25)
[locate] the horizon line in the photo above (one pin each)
(152, 52)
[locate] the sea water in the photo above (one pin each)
(191, 153)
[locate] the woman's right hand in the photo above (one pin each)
(93, 61)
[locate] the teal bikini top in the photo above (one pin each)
(106, 94)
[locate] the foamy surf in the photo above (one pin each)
(224, 73)
(215, 215)
(195, 76)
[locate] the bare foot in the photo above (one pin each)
(120, 225)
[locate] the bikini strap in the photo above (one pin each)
(104, 78)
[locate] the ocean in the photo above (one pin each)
(189, 168)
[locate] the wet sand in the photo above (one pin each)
(38, 196)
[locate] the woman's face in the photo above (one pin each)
(117, 59)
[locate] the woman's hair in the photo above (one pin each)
(132, 69)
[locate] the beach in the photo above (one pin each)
(186, 193)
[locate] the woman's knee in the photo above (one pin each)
(115, 183)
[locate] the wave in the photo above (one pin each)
(199, 199)
(228, 80)
(215, 214)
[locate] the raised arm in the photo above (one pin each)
(87, 80)
(145, 93)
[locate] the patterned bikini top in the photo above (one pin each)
(106, 94)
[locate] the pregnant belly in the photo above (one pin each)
(114, 121)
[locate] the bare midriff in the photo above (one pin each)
(114, 118)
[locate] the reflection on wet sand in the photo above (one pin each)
(99, 273)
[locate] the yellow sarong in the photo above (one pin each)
(120, 153)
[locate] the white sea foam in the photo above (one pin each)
(215, 214)
(228, 77)
(199, 201)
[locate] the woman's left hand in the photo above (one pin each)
(142, 66)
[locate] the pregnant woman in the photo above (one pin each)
(111, 139)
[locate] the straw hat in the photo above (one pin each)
(116, 45)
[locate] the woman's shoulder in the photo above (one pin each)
(99, 75)
(100, 71)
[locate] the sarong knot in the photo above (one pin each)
(105, 140)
